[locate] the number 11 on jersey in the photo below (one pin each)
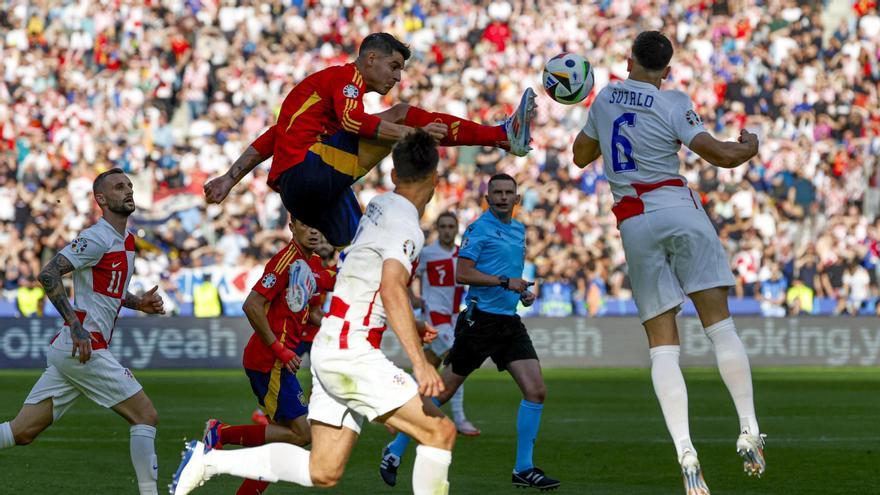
(620, 144)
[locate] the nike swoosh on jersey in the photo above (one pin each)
(114, 265)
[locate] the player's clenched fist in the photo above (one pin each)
(218, 188)
(430, 383)
(287, 357)
(750, 139)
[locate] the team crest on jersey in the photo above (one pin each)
(79, 245)
(399, 380)
(409, 249)
(269, 280)
(350, 91)
(693, 118)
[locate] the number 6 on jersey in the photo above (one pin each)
(620, 143)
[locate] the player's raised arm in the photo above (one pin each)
(725, 154)
(395, 299)
(218, 188)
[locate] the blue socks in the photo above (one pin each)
(398, 445)
(527, 422)
(400, 442)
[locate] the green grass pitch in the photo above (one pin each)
(601, 433)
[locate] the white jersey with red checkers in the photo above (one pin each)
(441, 293)
(103, 262)
(389, 229)
(640, 130)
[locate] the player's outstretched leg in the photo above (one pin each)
(273, 462)
(733, 365)
(514, 133)
(694, 484)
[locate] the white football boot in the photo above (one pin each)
(694, 484)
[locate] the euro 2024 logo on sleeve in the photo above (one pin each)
(269, 281)
(79, 245)
(409, 249)
(693, 118)
(350, 91)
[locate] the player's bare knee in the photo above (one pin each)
(300, 437)
(536, 393)
(443, 437)
(27, 435)
(326, 477)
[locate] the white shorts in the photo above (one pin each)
(102, 379)
(445, 338)
(350, 384)
(670, 253)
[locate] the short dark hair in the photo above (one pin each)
(415, 157)
(447, 214)
(652, 50)
(99, 180)
(384, 43)
(498, 177)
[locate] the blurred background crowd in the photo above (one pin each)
(173, 91)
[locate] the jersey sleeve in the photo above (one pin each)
(275, 275)
(348, 101)
(590, 127)
(325, 279)
(403, 245)
(686, 122)
(471, 243)
(84, 251)
(265, 144)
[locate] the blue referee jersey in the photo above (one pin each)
(496, 248)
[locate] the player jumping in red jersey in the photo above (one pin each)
(324, 140)
(290, 287)
(102, 261)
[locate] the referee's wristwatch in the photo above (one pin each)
(504, 281)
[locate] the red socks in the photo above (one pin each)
(252, 487)
(246, 435)
(461, 132)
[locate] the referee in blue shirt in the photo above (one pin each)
(490, 261)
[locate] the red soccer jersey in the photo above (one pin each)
(324, 103)
(291, 288)
(325, 278)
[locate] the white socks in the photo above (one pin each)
(6, 438)
(733, 364)
(672, 394)
(458, 405)
(272, 462)
(431, 470)
(143, 457)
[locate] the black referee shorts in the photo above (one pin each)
(502, 337)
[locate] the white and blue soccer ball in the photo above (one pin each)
(568, 78)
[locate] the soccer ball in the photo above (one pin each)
(568, 78)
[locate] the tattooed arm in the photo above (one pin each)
(50, 278)
(217, 189)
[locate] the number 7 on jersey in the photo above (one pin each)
(619, 143)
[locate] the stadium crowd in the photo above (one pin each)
(173, 91)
